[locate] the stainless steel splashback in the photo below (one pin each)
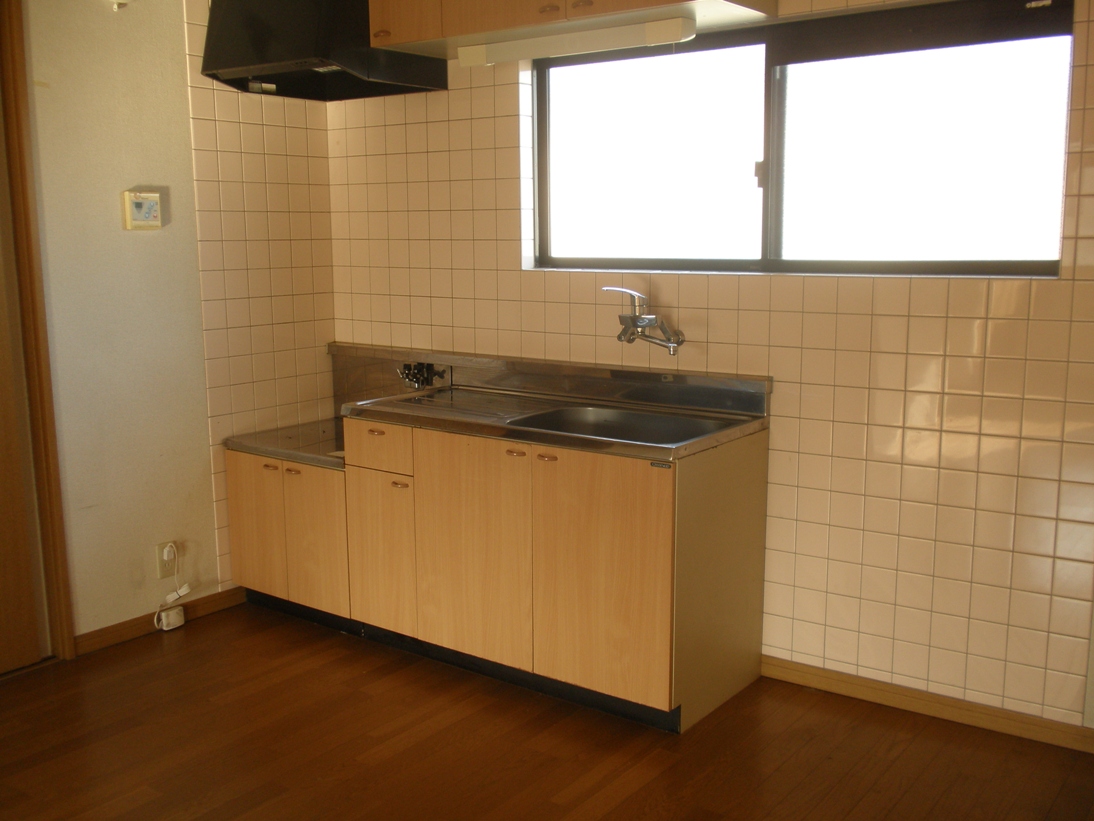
(367, 372)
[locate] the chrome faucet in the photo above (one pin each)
(639, 322)
(419, 374)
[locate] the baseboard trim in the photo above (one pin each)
(142, 625)
(931, 704)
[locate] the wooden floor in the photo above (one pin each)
(250, 714)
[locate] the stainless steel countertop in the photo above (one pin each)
(498, 414)
(314, 443)
(492, 397)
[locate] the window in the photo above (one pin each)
(917, 140)
(666, 169)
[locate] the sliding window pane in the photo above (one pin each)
(655, 157)
(946, 154)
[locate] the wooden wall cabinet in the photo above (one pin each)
(404, 21)
(287, 524)
(462, 17)
(588, 8)
(473, 523)
(396, 22)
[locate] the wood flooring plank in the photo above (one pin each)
(626, 784)
(132, 804)
(269, 717)
(893, 736)
(718, 745)
(853, 753)
(751, 791)
(902, 772)
(975, 790)
(965, 756)
(1048, 771)
(1076, 797)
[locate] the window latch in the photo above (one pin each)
(761, 174)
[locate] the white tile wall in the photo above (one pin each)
(261, 175)
(931, 497)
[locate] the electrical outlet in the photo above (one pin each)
(166, 567)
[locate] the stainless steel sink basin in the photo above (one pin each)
(623, 425)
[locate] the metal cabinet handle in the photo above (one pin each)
(550, 8)
(544, 457)
(400, 485)
(577, 4)
(292, 471)
(375, 432)
(381, 33)
(270, 467)
(515, 453)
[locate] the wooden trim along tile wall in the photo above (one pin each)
(28, 263)
(931, 704)
(142, 625)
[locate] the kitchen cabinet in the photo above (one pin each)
(478, 16)
(398, 22)
(620, 574)
(404, 21)
(287, 524)
(379, 446)
(473, 528)
(587, 8)
(256, 521)
(470, 17)
(315, 537)
(383, 578)
(602, 536)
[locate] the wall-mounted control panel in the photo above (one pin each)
(141, 210)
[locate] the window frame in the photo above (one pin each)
(858, 34)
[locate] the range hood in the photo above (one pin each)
(311, 49)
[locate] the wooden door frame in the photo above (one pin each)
(32, 314)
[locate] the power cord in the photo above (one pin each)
(179, 591)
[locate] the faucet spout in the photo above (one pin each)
(639, 323)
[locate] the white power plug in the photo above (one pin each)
(167, 556)
(170, 618)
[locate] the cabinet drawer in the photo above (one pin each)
(380, 446)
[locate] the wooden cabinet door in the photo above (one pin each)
(404, 21)
(256, 522)
(478, 16)
(602, 537)
(473, 524)
(587, 8)
(380, 523)
(315, 537)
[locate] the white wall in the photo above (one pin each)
(110, 112)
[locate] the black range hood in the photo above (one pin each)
(312, 49)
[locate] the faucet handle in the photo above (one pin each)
(639, 303)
